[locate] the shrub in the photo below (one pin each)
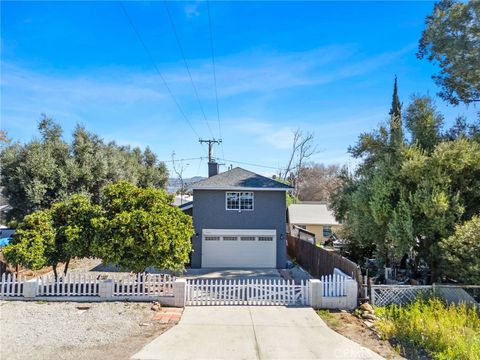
(444, 331)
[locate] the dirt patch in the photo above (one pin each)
(66, 330)
(355, 329)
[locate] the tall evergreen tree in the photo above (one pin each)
(396, 135)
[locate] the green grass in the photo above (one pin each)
(329, 318)
(446, 332)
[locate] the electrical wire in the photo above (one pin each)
(149, 55)
(214, 74)
(185, 62)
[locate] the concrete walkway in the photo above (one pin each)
(252, 332)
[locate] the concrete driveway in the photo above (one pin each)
(250, 332)
(216, 273)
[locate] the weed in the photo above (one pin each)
(445, 331)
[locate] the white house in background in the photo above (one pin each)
(312, 218)
(182, 199)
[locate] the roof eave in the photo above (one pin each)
(240, 188)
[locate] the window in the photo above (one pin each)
(212, 238)
(327, 231)
(239, 200)
(265, 238)
(247, 238)
(229, 238)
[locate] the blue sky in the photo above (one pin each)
(324, 67)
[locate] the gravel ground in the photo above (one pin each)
(60, 330)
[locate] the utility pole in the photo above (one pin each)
(210, 147)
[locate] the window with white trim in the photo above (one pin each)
(212, 238)
(239, 200)
(229, 238)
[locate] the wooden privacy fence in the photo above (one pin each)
(319, 261)
(246, 292)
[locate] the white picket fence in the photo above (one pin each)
(11, 285)
(76, 284)
(334, 285)
(73, 284)
(144, 285)
(246, 292)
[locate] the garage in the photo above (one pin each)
(230, 248)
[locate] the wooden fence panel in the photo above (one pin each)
(321, 262)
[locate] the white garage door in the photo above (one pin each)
(239, 248)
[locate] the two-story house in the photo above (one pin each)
(239, 219)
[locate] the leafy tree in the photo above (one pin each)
(33, 241)
(461, 253)
(424, 122)
(140, 228)
(405, 198)
(39, 173)
(53, 236)
(451, 39)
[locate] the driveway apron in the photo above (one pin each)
(252, 332)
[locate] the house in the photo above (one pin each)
(239, 219)
(314, 218)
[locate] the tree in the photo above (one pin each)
(318, 181)
(424, 122)
(140, 228)
(404, 198)
(461, 253)
(451, 39)
(41, 172)
(303, 148)
(53, 236)
(33, 242)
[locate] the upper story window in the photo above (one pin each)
(239, 200)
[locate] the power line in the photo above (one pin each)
(214, 72)
(149, 54)
(180, 47)
(251, 164)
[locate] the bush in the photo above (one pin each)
(444, 331)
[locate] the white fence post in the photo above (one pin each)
(352, 294)
(30, 289)
(315, 293)
(105, 289)
(180, 292)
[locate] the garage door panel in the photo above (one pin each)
(230, 248)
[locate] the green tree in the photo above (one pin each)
(424, 122)
(53, 236)
(41, 172)
(461, 253)
(140, 228)
(451, 39)
(33, 242)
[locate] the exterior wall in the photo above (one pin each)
(318, 231)
(209, 213)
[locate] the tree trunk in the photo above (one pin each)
(54, 266)
(66, 267)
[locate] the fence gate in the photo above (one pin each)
(245, 292)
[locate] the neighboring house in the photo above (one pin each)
(179, 200)
(314, 217)
(239, 219)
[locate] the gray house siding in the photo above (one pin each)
(209, 213)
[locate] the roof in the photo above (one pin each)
(239, 179)
(311, 214)
(186, 206)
